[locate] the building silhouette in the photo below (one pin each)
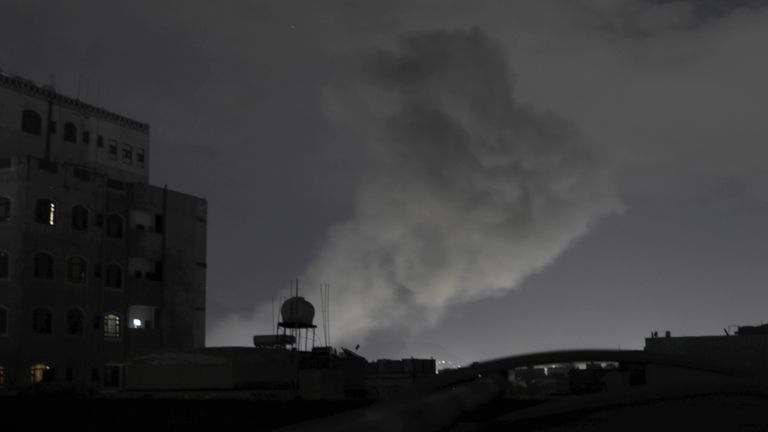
(97, 266)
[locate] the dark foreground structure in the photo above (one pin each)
(640, 391)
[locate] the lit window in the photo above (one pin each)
(142, 317)
(31, 122)
(74, 322)
(39, 373)
(79, 218)
(41, 321)
(45, 212)
(70, 132)
(4, 265)
(76, 270)
(111, 325)
(5, 208)
(43, 266)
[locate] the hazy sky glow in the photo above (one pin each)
(473, 178)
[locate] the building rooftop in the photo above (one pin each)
(30, 88)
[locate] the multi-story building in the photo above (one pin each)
(96, 265)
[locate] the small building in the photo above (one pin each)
(747, 348)
(384, 378)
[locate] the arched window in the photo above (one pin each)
(5, 208)
(75, 322)
(31, 122)
(43, 268)
(42, 321)
(114, 276)
(70, 132)
(39, 373)
(76, 270)
(114, 226)
(45, 212)
(4, 265)
(79, 218)
(3, 321)
(111, 325)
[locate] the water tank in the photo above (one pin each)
(297, 313)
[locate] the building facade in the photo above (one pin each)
(97, 266)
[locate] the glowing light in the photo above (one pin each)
(51, 214)
(136, 322)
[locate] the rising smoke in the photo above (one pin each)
(465, 192)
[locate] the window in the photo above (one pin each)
(114, 226)
(112, 149)
(114, 276)
(115, 184)
(75, 322)
(70, 132)
(127, 153)
(99, 141)
(5, 209)
(111, 325)
(158, 223)
(43, 268)
(41, 321)
(86, 137)
(76, 270)
(39, 373)
(3, 321)
(81, 174)
(112, 375)
(79, 218)
(142, 317)
(156, 275)
(4, 265)
(140, 157)
(31, 122)
(45, 212)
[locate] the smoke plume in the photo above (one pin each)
(465, 192)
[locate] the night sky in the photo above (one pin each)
(472, 178)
